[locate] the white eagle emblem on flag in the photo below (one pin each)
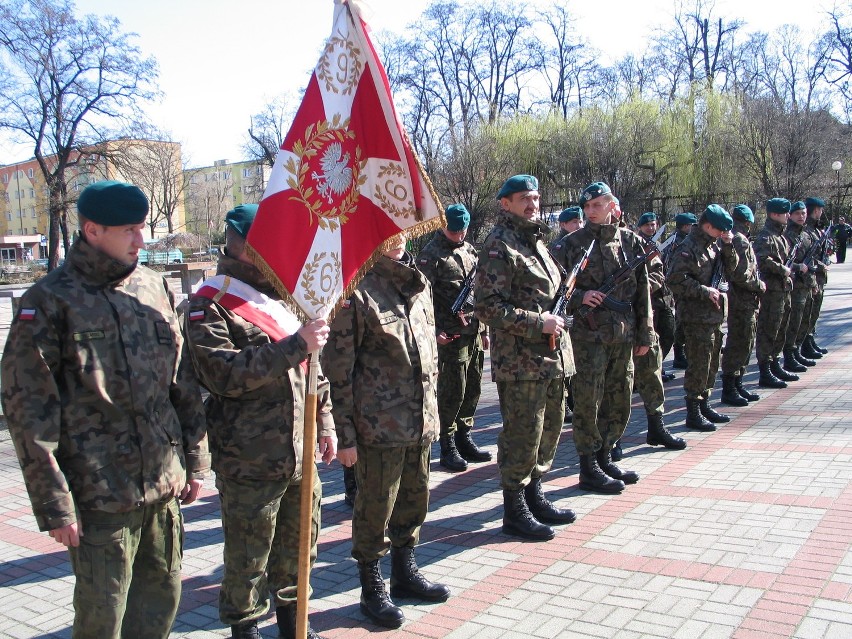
(337, 174)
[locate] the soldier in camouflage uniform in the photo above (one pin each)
(382, 362)
(106, 418)
(252, 366)
(683, 225)
(648, 369)
(745, 289)
(446, 261)
(804, 284)
(516, 286)
(618, 326)
(703, 306)
(815, 207)
(772, 250)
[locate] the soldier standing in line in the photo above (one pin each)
(648, 369)
(106, 418)
(516, 285)
(570, 220)
(617, 327)
(842, 232)
(745, 289)
(772, 250)
(815, 207)
(804, 282)
(248, 351)
(683, 225)
(382, 362)
(446, 261)
(703, 307)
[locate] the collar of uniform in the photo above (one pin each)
(811, 223)
(772, 225)
(443, 239)
(605, 232)
(401, 273)
(247, 273)
(793, 227)
(701, 236)
(532, 228)
(96, 267)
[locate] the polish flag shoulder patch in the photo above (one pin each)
(27, 314)
(195, 316)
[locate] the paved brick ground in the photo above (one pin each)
(743, 534)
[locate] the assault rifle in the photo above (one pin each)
(717, 280)
(612, 282)
(566, 289)
(792, 257)
(816, 251)
(465, 298)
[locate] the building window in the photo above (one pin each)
(35, 231)
(32, 194)
(9, 216)
(32, 212)
(30, 173)
(7, 254)
(6, 178)
(246, 173)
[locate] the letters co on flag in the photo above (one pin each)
(345, 183)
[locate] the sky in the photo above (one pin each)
(221, 61)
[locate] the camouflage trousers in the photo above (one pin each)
(679, 337)
(648, 381)
(392, 499)
(260, 524)
(665, 327)
(771, 324)
(533, 412)
(739, 343)
(816, 307)
(459, 382)
(703, 346)
(127, 570)
(602, 389)
(800, 299)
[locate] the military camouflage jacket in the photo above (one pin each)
(772, 249)
(820, 259)
(792, 233)
(557, 250)
(691, 272)
(256, 406)
(517, 280)
(382, 360)
(614, 247)
(104, 411)
(744, 284)
(445, 264)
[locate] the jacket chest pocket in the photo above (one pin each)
(94, 350)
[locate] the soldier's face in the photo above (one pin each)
(781, 218)
(397, 249)
(816, 213)
(571, 225)
(649, 229)
(524, 204)
(799, 216)
(121, 243)
(456, 236)
(599, 210)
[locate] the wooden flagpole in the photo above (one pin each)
(309, 444)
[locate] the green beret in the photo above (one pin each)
(814, 202)
(685, 218)
(571, 213)
(112, 203)
(517, 184)
(743, 212)
(795, 206)
(240, 218)
(458, 217)
(594, 190)
(645, 218)
(778, 205)
(718, 217)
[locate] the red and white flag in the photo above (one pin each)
(346, 181)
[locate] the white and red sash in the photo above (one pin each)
(253, 306)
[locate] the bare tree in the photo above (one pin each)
(268, 128)
(838, 42)
(209, 196)
(68, 78)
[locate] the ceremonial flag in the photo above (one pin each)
(346, 181)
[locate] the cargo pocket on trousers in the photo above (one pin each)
(102, 565)
(173, 534)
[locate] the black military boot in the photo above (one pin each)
(518, 521)
(246, 630)
(450, 458)
(807, 350)
(730, 394)
(469, 450)
(604, 458)
(375, 602)
(543, 509)
(767, 378)
(667, 376)
(791, 364)
(782, 373)
(617, 453)
(407, 580)
(746, 395)
(593, 478)
(804, 361)
(285, 617)
(694, 419)
(816, 346)
(679, 360)
(350, 485)
(658, 434)
(712, 415)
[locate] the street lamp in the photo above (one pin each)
(836, 166)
